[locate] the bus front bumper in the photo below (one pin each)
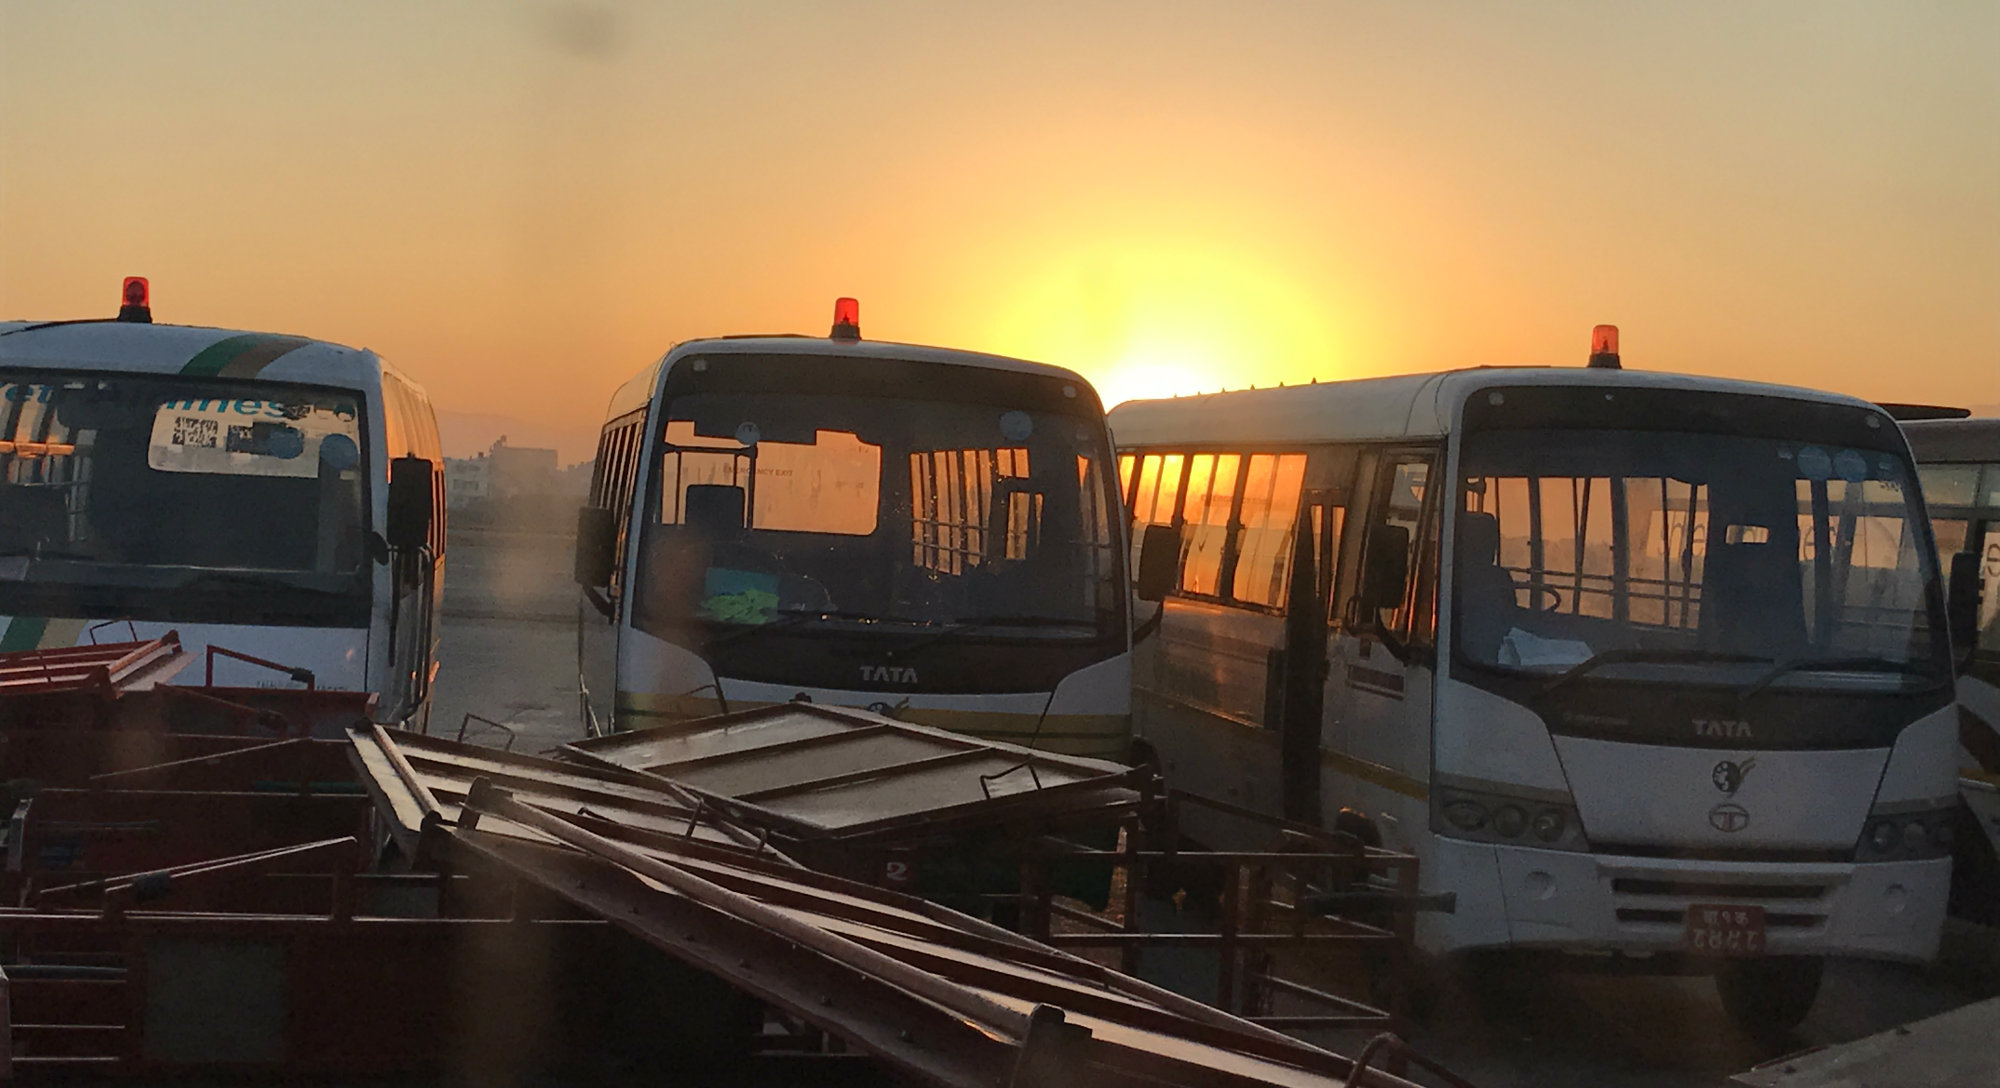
(1519, 897)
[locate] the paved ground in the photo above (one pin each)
(1502, 1029)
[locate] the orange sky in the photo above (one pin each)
(522, 204)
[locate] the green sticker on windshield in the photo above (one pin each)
(739, 596)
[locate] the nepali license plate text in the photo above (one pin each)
(1725, 931)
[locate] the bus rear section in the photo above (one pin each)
(1959, 461)
(1646, 668)
(231, 487)
(928, 534)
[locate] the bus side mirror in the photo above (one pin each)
(1961, 607)
(410, 497)
(1386, 570)
(1159, 563)
(596, 546)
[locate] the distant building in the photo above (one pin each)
(466, 480)
(520, 470)
(511, 472)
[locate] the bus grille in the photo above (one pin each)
(1663, 899)
(1677, 917)
(1695, 889)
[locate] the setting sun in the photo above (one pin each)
(1145, 318)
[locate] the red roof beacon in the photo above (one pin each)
(138, 304)
(846, 319)
(1604, 347)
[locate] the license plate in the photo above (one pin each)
(1725, 931)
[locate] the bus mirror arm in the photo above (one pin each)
(1962, 604)
(1150, 625)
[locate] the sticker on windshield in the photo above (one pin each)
(1016, 426)
(1814, 464)
(1851, 466)
(250, 438)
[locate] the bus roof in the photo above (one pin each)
(143, 348)
(1947, 440)
(1404, 406)
(638, 391)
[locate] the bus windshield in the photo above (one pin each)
(865, 509)
(168, 497)
(1574, 544)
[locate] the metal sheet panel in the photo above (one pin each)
(814, 770)
(965, 973)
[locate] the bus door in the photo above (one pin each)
(1377, 690)
(1303, 672)
(415, 534)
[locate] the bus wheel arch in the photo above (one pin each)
(1767, 998)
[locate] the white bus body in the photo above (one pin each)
(930, 533)
(230, 486)
(1959, 463)
(1560, 641)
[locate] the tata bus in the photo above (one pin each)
(1647, 668)
(929, 533)
(273, 496)
(1958, 461)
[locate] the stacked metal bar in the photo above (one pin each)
(937, 996)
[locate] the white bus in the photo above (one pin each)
(269, 495)
(932, 534)
(1959, 463)
(1647, 667)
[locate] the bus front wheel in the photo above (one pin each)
(1769, 997)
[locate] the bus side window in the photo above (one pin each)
(612, 480)
(1206, 514)
(1157, 499)
(1396, 519)
(1268, 516)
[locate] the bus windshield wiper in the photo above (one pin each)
(1827, 664)
(254, 580)
(958, 628)
(786, 618)
(1663, 656)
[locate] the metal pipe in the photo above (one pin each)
(488, 798)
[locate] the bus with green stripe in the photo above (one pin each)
(930, 534)
(276, 496)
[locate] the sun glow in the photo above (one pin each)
(1155, 320)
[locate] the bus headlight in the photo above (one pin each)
(1883, 838)
(1481, 816)
(1465, 815)
(1907, 836)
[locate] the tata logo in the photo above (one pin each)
(1728, 775)
(1729, 819)
(888, 674)
(1722, 728)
